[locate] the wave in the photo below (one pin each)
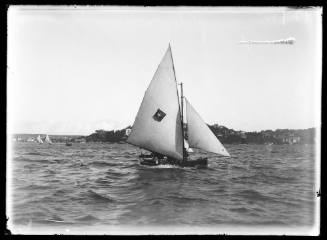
(245, 179)
(59, 160)
(56, 218)
(270, 222)
(259, 166)
(77, 162)
(26, 159)
(99, 197)
(130, 165)
(157, 201)
(283, 179)
(20, 158)
(86, 218)
(189, 199)
(254, 195)
(239, 210)
(53, 221)
(274, 178)
(114, 174)
(102, 164)
(60, 192)
(32, 166)
(83, 155)
(38, 154)
(220, 190)
(103, 181)
(50, 171)
(235, 167)
(34, 187)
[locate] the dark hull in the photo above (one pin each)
(147, 161)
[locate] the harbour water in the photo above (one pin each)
(97, 184)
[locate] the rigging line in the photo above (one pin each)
(182, 124)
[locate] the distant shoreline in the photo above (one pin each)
(84, 135)
(224, 134)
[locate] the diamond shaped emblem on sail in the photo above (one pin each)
(159, 115)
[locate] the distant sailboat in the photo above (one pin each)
(47, 140)
(38, 139)
(158, 126)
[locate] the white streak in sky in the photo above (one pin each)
(290, 40)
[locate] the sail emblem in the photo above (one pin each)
(159, 115)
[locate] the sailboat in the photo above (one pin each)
(47, 140)
(159, 125)
(38, 139)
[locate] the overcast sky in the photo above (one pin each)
(75, 70)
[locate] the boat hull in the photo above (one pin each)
(148, 161)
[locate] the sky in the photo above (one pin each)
(72, 70)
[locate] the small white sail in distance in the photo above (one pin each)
(38, 139)
(47, 139)
(199, 134)
(157, 126)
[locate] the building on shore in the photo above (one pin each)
(291, 139)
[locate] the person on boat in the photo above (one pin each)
(157, 157)
(144, 155)
(185, 153)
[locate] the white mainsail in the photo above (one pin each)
(38, 139)
(47, 139)
(157, 126)
(199, 134)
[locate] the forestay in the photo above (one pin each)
(199, 134)
(157, 126)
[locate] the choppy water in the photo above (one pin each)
(103, 184)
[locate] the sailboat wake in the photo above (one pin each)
(165, 166)
(162, 166)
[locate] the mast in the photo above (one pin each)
(181, 100)
(182, 119)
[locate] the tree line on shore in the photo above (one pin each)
(225, 135)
